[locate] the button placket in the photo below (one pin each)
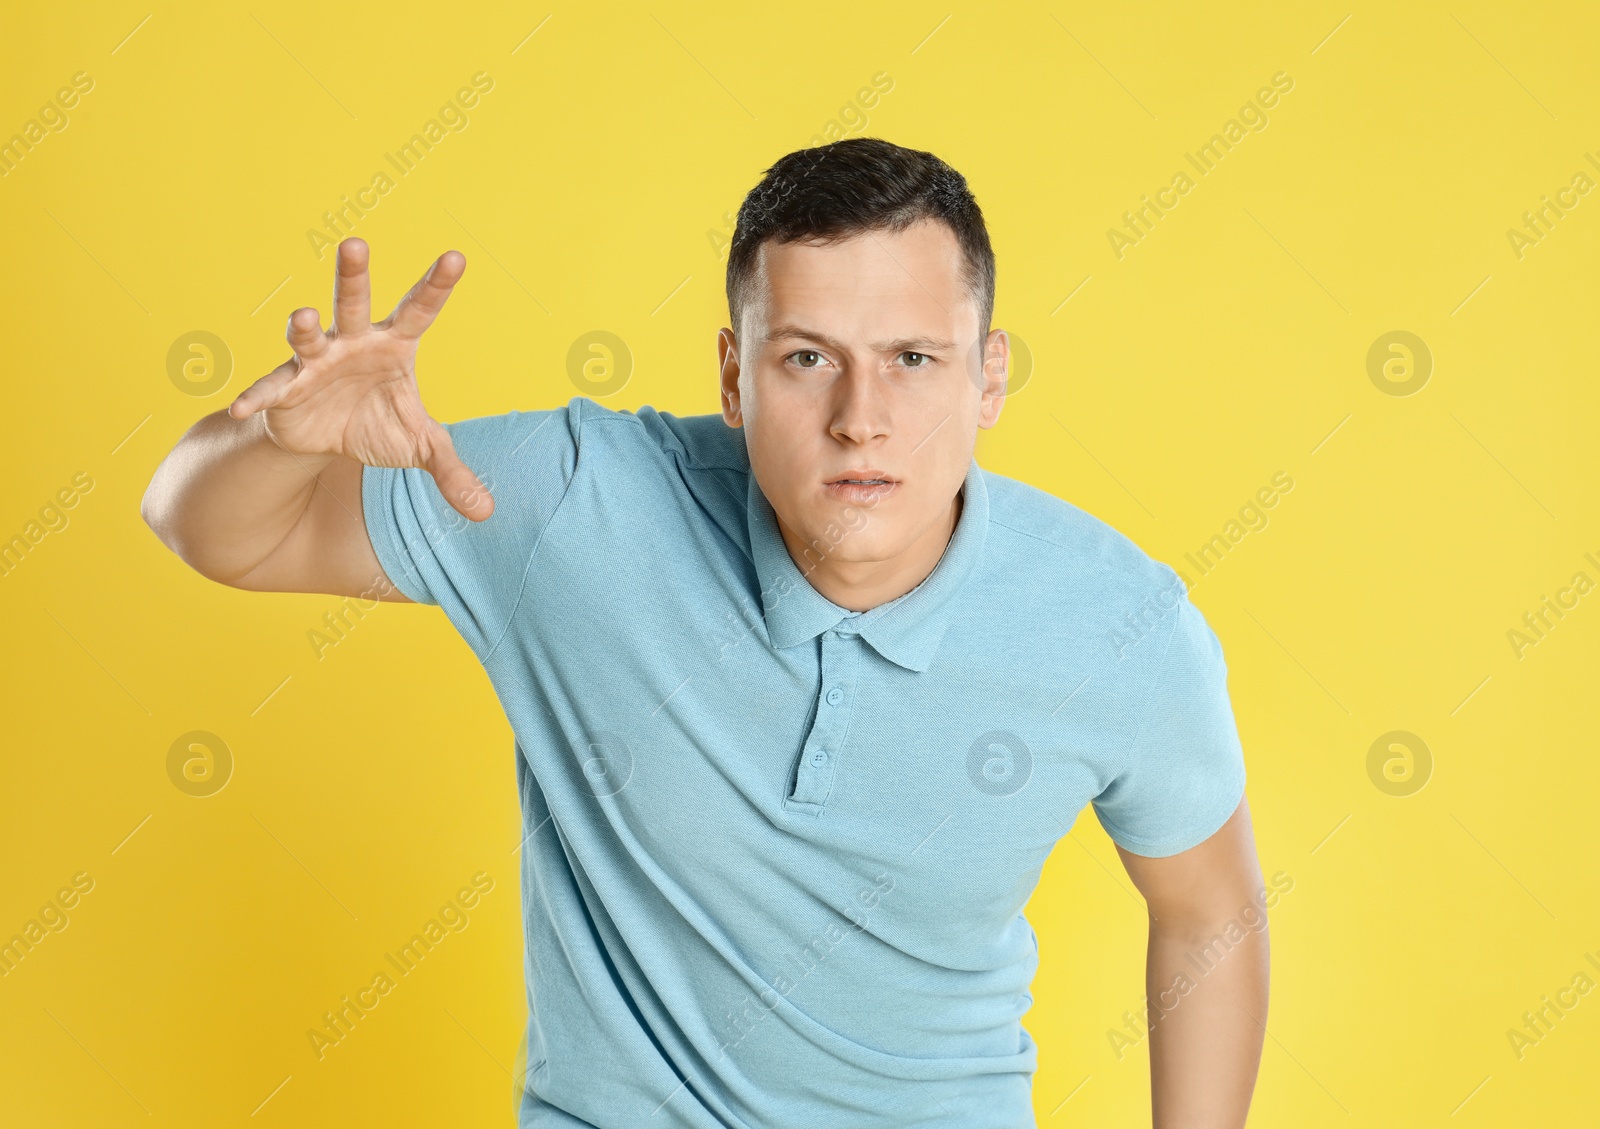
(819, 755)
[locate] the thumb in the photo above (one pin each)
(460, 487)
(265, 392)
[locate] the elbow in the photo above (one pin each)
(156, 512)
(168, 491)
(148, 511)
(159, 511)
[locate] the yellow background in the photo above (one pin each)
(1229, 345)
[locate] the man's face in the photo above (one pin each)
(862, 359)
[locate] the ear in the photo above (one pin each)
(728, 361)
(996, 374)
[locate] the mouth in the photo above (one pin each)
(862, 476)
(861, 484)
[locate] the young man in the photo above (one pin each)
(803, 697)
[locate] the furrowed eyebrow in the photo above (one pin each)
(800, 333)
(915, 345)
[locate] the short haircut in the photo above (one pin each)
(859, 184)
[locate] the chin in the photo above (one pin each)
(857, 543)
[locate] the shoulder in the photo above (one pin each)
(1061, 544)
(514, 432)
(697, 441)
(1080, 588)
(582, 424)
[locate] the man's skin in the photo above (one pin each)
(858, 355)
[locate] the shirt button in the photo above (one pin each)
(835, 696)
(819, 758)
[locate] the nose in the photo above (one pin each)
(861, 408)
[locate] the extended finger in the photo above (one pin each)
(422, 303)
(460, 487)
(265, 392)
(305, 334)
(352, 289)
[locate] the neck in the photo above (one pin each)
(860, 586)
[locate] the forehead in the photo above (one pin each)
(870, 282)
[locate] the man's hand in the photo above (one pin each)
(1205, 976)
(352, 390)
(266, 496)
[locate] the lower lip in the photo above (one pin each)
(860, 493)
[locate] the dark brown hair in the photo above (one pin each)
(848, 187)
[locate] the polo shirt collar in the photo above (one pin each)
(906, 630)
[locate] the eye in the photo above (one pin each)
(916, 360)
(816, 358)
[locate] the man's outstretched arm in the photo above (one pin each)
(1206, 975)
(266, 495)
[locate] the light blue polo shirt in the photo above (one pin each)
(777, 852)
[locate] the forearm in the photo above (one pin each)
(226, 495)
(1208, 1007)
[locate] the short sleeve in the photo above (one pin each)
(476, 572)
(1183, 776)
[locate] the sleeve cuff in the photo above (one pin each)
(1163, 848)
(375, 483)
